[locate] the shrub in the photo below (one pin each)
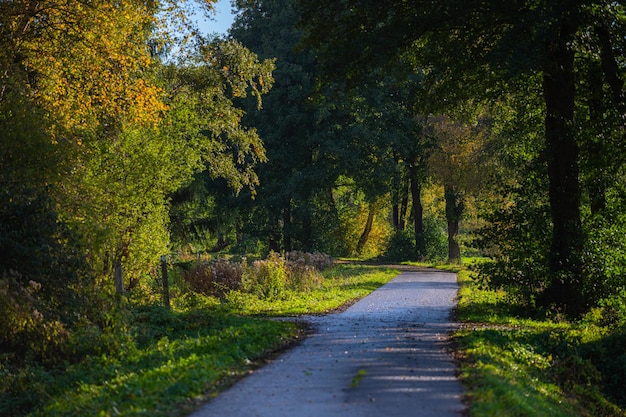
(24, 328)
(613, 311)
(608, 355)
(317, 260)
(45, 282)
(401, 247)
(518, 238)
(267, 278)
(604, 260)
(215, 278)
(304, 278)
(435, 239)
(304, 269)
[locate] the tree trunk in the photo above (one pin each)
(454, 212)
(307, 230)
(274, 245)
(166, 282)
(368, 228)
(275, 232)
(398, 213)
(331, 198)
(564, 192)
(118, 276)
(596, 182)
(400, 202)
(287, 228)
(239, 231)
(395, 203)
(610, 67)
(403, 209)
(222, 242)
(395, 216)
(418, 212)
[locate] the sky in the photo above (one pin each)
(222, 20)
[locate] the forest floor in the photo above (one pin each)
(388, 354)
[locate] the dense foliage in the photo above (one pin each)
(390, 130)
(515, 363)
(339, 160)
(551, 76)
(99, 127)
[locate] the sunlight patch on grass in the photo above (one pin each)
(516, 365)
(170, 374)
(182, 357)
(342, 285)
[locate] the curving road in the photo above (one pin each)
(387, 355)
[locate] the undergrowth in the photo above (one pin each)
(177, 360)
(170, 361)
(517, 364)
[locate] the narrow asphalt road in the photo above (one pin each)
(387, 355)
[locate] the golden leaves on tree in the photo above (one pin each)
(87, 64)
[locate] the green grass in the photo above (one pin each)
(179, 359)
(516, 365)
(511, 363)
(342, 285)
(175, 360)
(465, 262)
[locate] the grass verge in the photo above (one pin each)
(516, 365)
(342, 285)
(175, 360)
(179, 360)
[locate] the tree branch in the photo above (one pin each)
(610, 67)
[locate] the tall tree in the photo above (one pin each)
(300, 166)
(390, 143)
(501, 42)
(97, 133)
(456, 163)
(207, 122)
(71, 75)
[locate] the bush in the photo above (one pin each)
(317, 260)
(604, 259)
(216, 278)
(23, 327)
(518, 238)
(612, 311)
(401, 244)
(608, 355)
(23, 387)
(267, 278)
(45, 284)
(303, 278)
(401, 247)
(304, 270)
(273, 277)
(435, 239)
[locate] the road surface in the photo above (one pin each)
(387, 355)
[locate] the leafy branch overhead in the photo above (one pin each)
(389, 131)
(101, 125)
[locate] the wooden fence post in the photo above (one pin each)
(166, 282)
